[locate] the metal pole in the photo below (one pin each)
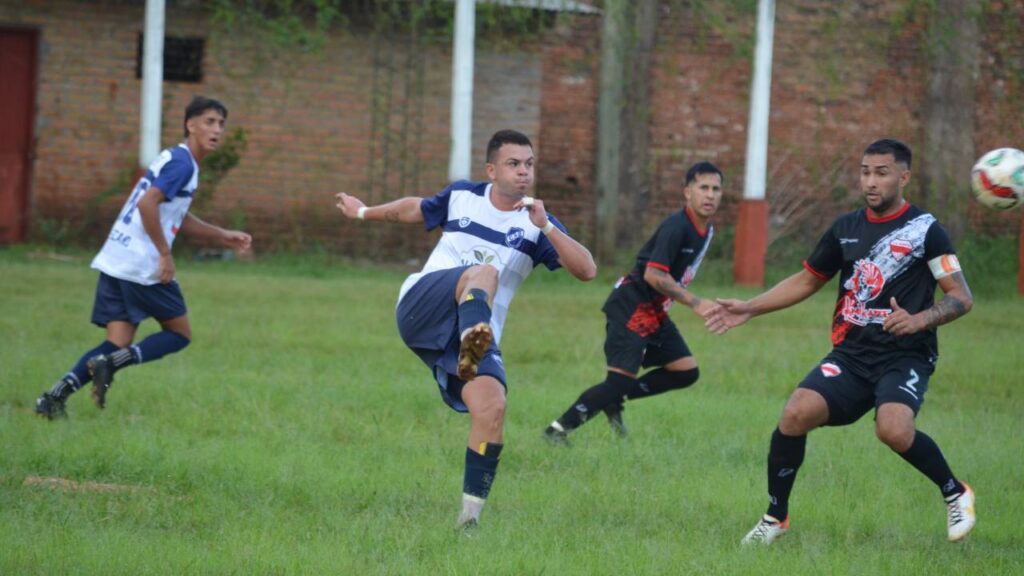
(760, 103)
(462, 90)
(152, 82)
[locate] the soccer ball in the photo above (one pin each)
(998, 178)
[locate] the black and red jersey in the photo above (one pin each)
(878, 259)
(676, 248)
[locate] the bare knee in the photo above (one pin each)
(898, 438)
(490, 413)
(805, 411)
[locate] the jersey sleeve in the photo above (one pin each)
(827, 257)
(175, 172)
(668, 241)
(546, 253)
(937, 242)
(435, 208)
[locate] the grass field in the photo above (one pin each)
(298, 436)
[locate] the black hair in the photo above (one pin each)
(702, 168)
(199, 105)
(900, 151)
(502, 137)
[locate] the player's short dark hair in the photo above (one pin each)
(900, 151)
(702, 168)
(199, 105)
(502, 137)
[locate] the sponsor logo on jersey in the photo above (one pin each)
(479, 255)
(687, 250)
(848, 240)
(900, 248)
(868, 280)
(830, 370)
(514, 237)
(464, 222)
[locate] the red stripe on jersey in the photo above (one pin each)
(810, 269)
(878, 220)
(661, 267)
(701, 231)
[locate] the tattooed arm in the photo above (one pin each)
(662, 282)
(956, 302)
(406, 210)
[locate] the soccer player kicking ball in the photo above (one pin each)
(889, 258)
(136, 267)
(639, 330)
(451, 313)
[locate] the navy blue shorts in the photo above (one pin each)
(851, 389)
(428, 322)
(121, 300)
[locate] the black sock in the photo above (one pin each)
(924, 454)
(473, 310)
(662, 380)
(784, 459)
(480, 470)
(595, 399)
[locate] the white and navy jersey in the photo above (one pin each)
(677, 248)
(129, 254)
(880, 258)
(475, 232)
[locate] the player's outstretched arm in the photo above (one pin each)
(571, 254)
(790, 291)
(405, 210)
(663, 282)
(956, 302)
(193, 226)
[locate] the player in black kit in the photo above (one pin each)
(639, 330)
(889, 258)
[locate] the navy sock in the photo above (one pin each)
(925, 455)
(784, 459)
(156, 346)
(595, 399)
(662, 380)
(79, 375)
(473, 310)
(480, 470)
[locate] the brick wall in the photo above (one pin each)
(371, 116)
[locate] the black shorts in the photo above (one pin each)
(851, 388)
(639, 333)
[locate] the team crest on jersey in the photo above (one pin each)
(900, 248)
(464, 222)
(479, 255)
(514, 237)
(830, 370)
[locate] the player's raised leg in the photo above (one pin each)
(174, 337)
(485, 398)
(474, 293)
(894, 425)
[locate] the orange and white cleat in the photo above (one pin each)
(961, 514)
(767, 530)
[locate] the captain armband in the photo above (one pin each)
(944, 265)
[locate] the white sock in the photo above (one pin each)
(471, 508)
(557, 426)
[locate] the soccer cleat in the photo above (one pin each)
(50, 407)
(766, 531)
(614, 414)
(556, 436)
(961, 514)
(102, 369)
(474, 345)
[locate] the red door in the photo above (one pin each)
(17, 103)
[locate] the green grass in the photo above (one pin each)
(298, 436)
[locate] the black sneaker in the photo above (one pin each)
(50, 407)
(102, 369)
(556, 436)
(614, 414)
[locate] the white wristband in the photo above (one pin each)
(361, 213)
(548, 228)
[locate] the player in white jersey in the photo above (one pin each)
(452, 312)
(136, 266)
